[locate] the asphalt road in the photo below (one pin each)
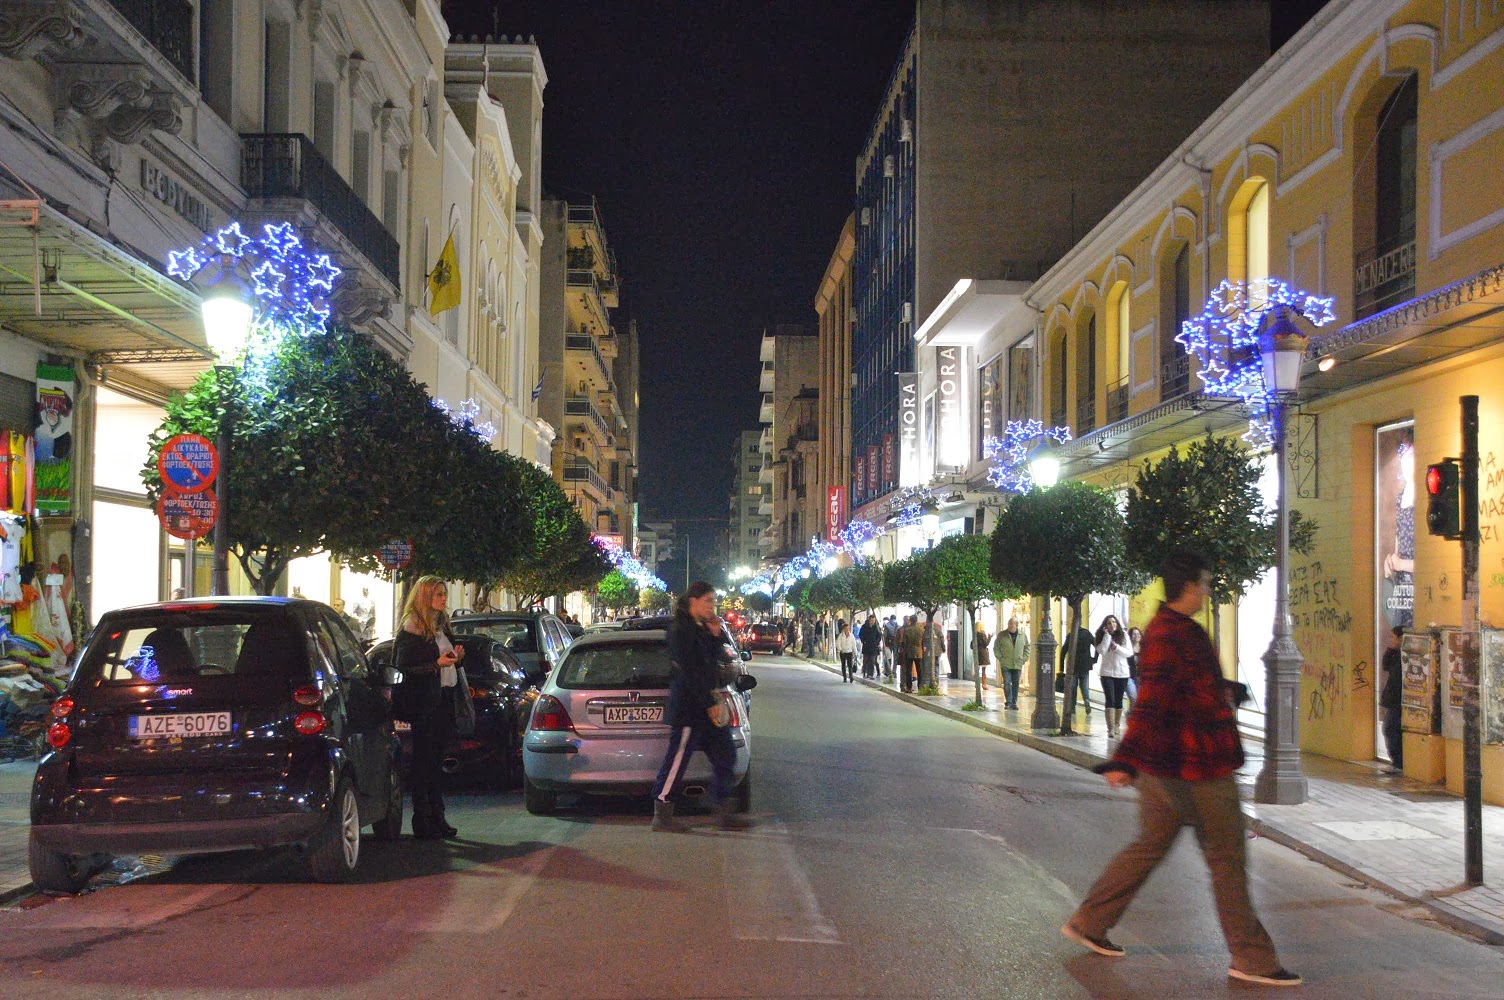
(898, 854)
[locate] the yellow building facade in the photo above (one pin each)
(1362, 162)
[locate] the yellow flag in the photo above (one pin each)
(444, 280)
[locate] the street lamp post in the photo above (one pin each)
(227, 327)
(1282, 348)
(1044, 469)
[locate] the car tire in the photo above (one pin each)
(744, 793)
(334, 851)
(54, 871)
(389, 827)
(537, 801)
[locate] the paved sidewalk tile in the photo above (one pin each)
(1390, 832)
(15, 826)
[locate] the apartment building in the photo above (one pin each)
(789, 358)
(751, 503)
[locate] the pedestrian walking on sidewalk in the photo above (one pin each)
(871, 636)
(910, 652)
(697, 716)
(1078, 675)
(1181, 751)
(425, 652)
(1011, 650)
(981, 642)
(1113, 652)
(1136, 637)
(890, 646)
(846, 649)
(1389, 700)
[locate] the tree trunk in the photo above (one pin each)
(968, 647)
(927, 678)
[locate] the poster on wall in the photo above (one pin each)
(1394, 525)
(1417, 682)
(1491, 675)
(53, 433)
(1020, 383)
(1449, 676)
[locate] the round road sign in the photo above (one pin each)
(395, 554)
(188, 515)
(188, 463)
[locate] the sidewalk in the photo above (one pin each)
(15, 827)
(1392, 833)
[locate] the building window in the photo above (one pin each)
(1119, 334)
(1384, 274)
(1175, 364)
(1059, 378)
(1086, 376)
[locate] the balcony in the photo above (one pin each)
(1383, 276)
(765, 412)
(582, 475)
(167, 25)
(287, 165)
(765, 382)
(584, 280)
(1117, 400)
(1175, 377)
(765, 474)
(581, 406)
(1086, 415)
(766, 354)
(765, 443)
(585, 220)
(584, 346)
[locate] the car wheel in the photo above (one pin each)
(54, 871)
(335, 850)
(389, 827)
(744, 793)
(537, 801)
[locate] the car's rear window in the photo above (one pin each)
(514, 636)
(185, 646)
(615, 665)
(765, 630)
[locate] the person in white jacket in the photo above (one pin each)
(846, 648)
(1113, 651)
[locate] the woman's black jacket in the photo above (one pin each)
(696, 655)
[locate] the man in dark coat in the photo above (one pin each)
(871, 635)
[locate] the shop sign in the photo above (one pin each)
(835, 512)
(188, 515)
(173, 193)
(908, 429)
(53, 439)
(859, 481)
(890, 459)
(188, 463)
(951, 449)
(872, 469)
(395, 554)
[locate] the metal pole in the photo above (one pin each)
(219, 585)
(1472, 750)
(1281, 782)
(1044, 715)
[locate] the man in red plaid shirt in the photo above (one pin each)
(1181, 750)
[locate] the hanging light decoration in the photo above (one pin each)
(1012, 453)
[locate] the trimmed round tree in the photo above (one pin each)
(962, 563)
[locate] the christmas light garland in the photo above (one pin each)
(1011, 453)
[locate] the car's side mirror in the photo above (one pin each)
(746, 682)
(746, 654)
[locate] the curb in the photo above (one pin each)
(1444, 912)
(17, 894)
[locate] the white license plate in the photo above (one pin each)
(402, 727)
(628, 715)
(188, 724)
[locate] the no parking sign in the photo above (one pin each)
(188, 463)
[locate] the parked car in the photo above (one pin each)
(765, 637)
(610, 626)
(502, 696)
(537, 639)
(597, 727)
(214, 725)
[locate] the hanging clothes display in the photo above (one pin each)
(12, 556)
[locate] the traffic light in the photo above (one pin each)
(1444, 499)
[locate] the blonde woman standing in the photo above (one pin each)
(426, 653)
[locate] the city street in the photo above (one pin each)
(898, 854)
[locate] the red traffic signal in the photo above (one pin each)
(1444, 499)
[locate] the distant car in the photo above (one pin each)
(765, 637)
(602, 627)
(502, 696)
(214, 725)
(597, 727)
(537, 639)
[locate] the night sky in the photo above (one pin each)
(721, 140)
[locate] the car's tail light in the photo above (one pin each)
(308, 696)
(736, 715)
(62, 707)
(58, 735)
(310, 723)
(479, 693)
(549, 716)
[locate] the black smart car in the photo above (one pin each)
(503, 699)
(215, 725)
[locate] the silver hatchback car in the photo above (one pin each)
(597, 727)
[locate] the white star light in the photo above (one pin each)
(184, 264)
(231, 240)
(322, 272)
(268, 281)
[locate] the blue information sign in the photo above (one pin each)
(188, 463)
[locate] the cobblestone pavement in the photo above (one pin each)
(1393, 833)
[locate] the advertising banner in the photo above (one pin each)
(1417, 683)
(872, 470)
(835, 513)
(950, 450)
(859, 477)
(54, 439)
(908, 429)
(890, 462)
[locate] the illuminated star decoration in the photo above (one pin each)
(1225, 342)
(1010, 453)
(468, 418)
(628, 565)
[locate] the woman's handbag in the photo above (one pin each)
(1060, 683)
(416, 697)
(464, 708)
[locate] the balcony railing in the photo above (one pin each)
(1057, 415)
(581, 406)
(1117, 400)
(287, 165)
(582, 278)
(1175, 377)
(1383, 276)
(585, 343)
(584, 472)
(167, 25)
(1086, 415)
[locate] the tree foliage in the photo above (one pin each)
(963, 571)
(653, 601)
(916, 581)
(1208, 500)
(562, 557)
(615, 591)
(1066, 541)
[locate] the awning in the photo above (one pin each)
(65, 287)
(1171, 422)
(1461, 317)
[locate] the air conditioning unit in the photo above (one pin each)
(888, 166)
(866, 216)
(905, 130)
(908, 312)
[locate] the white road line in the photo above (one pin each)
(484, 898)
(768, 894)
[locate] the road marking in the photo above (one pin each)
(480, 905)
(768, 894)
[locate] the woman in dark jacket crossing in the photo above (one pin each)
(698, 719)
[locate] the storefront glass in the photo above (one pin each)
(1394, 542)
(127, 550)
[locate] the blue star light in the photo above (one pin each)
(322, 272)
(1011, 452)
(184, 264)
(282, 238)
(268, 280)
(231, 240)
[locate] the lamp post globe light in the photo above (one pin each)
(1282, 347)
(1044, 469)
(227, 319)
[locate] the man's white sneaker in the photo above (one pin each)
(1280, 977)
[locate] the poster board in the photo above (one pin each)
(1491, 677)
(1450, 677)
(1418, 683)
